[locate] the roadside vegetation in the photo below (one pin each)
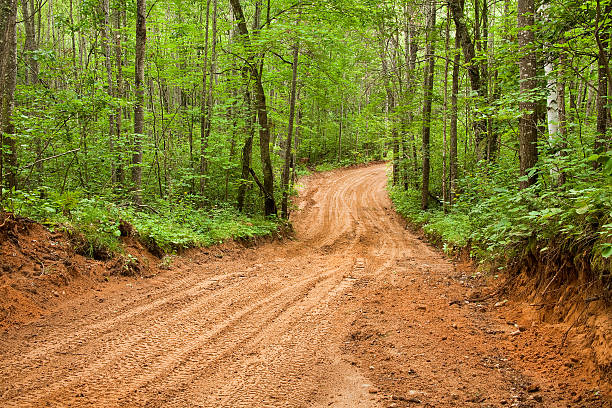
(504, 227)
(96, 225)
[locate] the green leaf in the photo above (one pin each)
(593, 157)
(583, 210)
(607, 251)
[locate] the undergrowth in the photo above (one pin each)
(568, 226)
(95, 226)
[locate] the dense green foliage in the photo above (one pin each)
(501, 224)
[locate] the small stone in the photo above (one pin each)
(55, 293)
(373, 390)
(421, 307)
(501, 303)
(533, 388)
(538, 398)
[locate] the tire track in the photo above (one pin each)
(223, 337)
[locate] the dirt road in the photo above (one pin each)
(355, 312)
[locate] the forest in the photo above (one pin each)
(193, 122)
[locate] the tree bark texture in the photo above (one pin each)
(528, 131)
(141, 39)
(262, 114)
(204, 107)
(288, 156)
(453, 123)
(8, 81)
(427, 101)
(469, 55)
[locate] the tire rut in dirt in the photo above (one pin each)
(222, 339)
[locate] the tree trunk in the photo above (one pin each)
(204, 108)
(262, 114)
(601, 140)
(390, 107)
(264, 148)
(288, 156)
(247, 148)
(119, 93)
(339, 150)
(528, 132)
(106, 40)
(453, 123)
(28, 10)
(469, 55)
(552, 109)
(210, 96)
(427, 100)
(141, 39)
(8, 81)
(444, 126)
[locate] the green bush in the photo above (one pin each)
(499, 222)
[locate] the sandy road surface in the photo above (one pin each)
(283, 324)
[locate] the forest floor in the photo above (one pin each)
(356, 311)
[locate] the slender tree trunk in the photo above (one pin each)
(251, 115)
(106, 40)
(562, 142)
(491, 138)
(453, 122)
(141, 38)
(427, 101)
(552, 109)
(119, 93)
(28, 9)
(339, 150)
(469, 54)
(8, 81)
(288, 156)
(210, 97)
(262, 114)
(29, 19)
(528, 131)
(296, 141)
(444, 128)
(204, 108)
(390, 107)
(413, 51)
(603, 111)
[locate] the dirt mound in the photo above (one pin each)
(39, 267)
(575, 312)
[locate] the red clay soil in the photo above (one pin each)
(356, 311)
